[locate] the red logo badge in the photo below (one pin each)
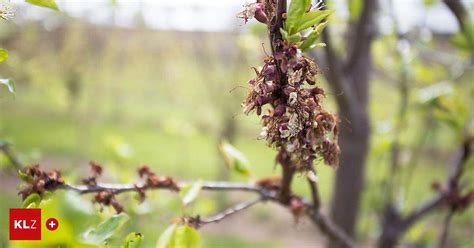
(25, 224)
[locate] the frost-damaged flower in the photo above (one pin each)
(294, 121)
(6, 10)
(39, 181)
(260, 10)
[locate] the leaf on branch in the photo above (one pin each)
(3, 54)
(9, 84)
(295, 12)
(32, 201)
(44, 3)
(24, 177)
(433, 92)
(295, 38)
(235, 159)
(313, 18)
(179, 237)
(106, 229)
(166, 239)
(133, 240)
(187, 237)
(313, 36)
(189, 192)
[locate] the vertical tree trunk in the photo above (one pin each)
(350, 81)
(354, 144)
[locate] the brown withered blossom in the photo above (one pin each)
(107, 198)
(294, 120)
(154, 181)
(39, 181)
(261, 10)
(96, 170)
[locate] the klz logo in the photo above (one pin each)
(25, 224)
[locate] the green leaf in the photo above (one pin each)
(189, 192)
(179, 237)
(3, 54)
(435, 91)
(24, 177)
(44, 3)
(9, 84)
(106, 229)
(166, 239)
(295, 12)
(186, 237)
(31, 199)
(313, 36)
(295, 38)
(284, 34)
(235, 159)
(133, 240)
(312, 18)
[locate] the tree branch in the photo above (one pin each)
(122, 188)
(461, 157)
(344, 96)
(329, 228)
(228, 212)
(461, 14)
(459, 11)
(5, 148)
(364, 32)
(443, 238)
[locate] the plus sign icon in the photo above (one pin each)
(52, 224)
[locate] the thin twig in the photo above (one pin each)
(228, 212)
(121, 188)
(329, 228)
(444, 233)
(461, 157)
(314, 191)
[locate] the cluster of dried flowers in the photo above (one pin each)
(294, 122)
(39, 181)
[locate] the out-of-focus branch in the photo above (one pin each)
(5, 149)
(364, 31)
(461, 14)
(330, 229)
(443, 238)
(395, 226)
(344, 96)
(459, 11)
(461, 157)
(334, 74)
